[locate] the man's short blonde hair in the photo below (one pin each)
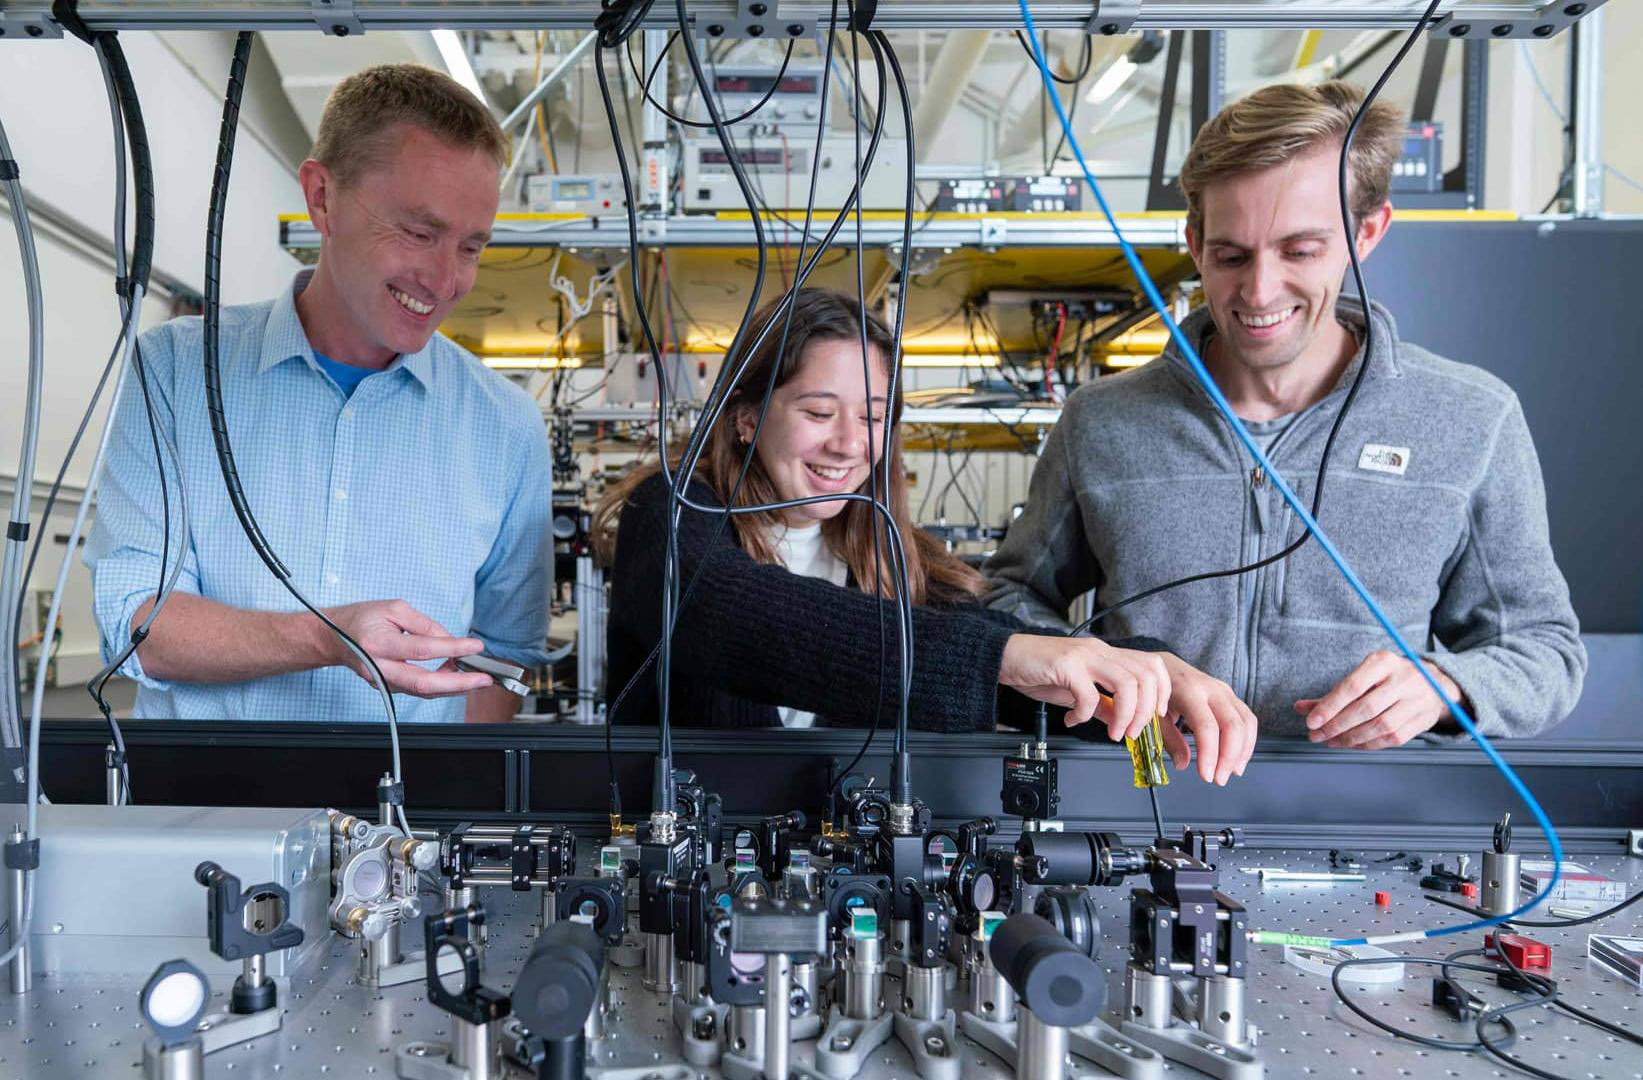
(1277, 124)
(356, 131)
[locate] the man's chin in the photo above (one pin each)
(404, 344)
(1266, 355)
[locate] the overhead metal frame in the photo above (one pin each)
(882, 231)
(956, 255)
(1502, 19)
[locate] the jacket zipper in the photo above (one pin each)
(1258, 482)
(1256, 580)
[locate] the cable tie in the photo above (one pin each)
(9, 169)
(865, 10)
(391, 793)
(17, 530)
(23, 854)
(139, 634)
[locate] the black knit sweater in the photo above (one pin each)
(752, 636)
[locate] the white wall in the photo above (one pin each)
(56, 115)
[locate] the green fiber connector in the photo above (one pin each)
(1272, 937)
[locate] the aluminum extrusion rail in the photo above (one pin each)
(940, 233)
(1483, 18)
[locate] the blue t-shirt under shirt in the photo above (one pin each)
(346, 376)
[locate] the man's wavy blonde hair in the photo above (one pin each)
(1277, 124)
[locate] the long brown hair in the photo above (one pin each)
(818, 315)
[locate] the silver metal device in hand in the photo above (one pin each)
(507, 676)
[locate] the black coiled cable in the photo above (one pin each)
(213, 382)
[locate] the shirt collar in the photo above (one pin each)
(283, 338)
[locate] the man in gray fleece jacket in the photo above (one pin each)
(1433, 490)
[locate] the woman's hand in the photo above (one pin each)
(1223, 728)
(1122, 687)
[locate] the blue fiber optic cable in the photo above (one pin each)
(1328, 546)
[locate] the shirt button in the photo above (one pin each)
(341, 495)
(331, 579)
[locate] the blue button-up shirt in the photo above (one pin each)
(431, 483)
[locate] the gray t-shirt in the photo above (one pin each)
(1266, 432)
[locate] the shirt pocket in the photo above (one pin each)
(1395, 535)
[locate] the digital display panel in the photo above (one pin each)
(754, 156)
(762, 84)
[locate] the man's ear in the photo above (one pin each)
(1195, 246)
(1372, 228)
(319, 191)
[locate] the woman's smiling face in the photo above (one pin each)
(820, 425)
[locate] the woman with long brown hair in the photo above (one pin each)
(782, 625)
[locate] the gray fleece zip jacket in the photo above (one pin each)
(1434, 496)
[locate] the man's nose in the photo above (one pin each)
(441, 274)
(1262, 282)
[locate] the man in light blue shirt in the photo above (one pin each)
(405, 485)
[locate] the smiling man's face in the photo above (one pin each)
(1272, 256)
(402, 242)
